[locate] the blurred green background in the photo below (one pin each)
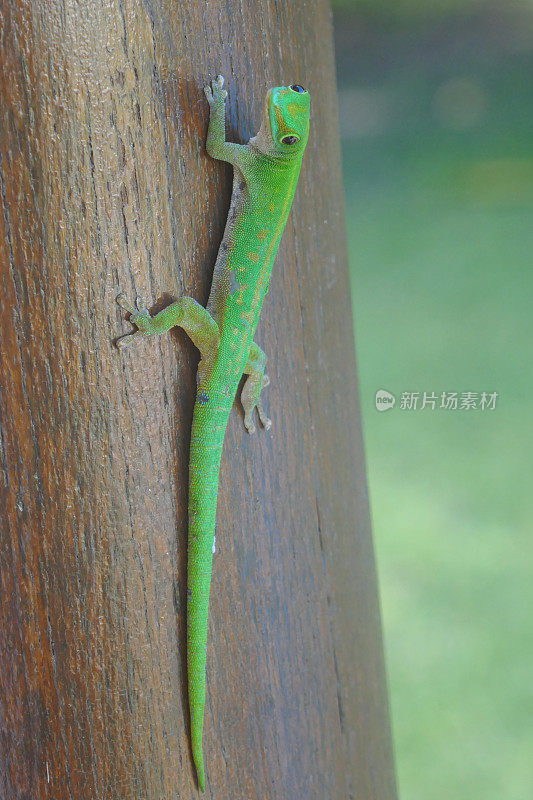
(436, 108)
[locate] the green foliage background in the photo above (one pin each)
(414, 10)
(437, 122)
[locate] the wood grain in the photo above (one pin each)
(105, 186)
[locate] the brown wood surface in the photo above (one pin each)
(105, 186)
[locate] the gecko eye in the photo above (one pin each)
(289, 140)
(297, 88)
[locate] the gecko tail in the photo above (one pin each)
(209, 424)
(197, 701)
(197, 724)
(200, 559)
(196, 657)
(198, 757)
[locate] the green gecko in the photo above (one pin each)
(265, 175)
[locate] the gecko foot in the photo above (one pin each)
(139, 316)
(250, 401)
(215, 93)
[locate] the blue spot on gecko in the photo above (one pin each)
(203, 398)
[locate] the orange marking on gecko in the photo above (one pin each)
(240, 298)
(294, 109)
(273, 241)
(283, 128)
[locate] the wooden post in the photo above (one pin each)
(106, 186)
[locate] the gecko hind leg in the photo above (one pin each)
(195, 320)
(251, 392)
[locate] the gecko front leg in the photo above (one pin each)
(186, 313)
(216, 144)
(255, 383)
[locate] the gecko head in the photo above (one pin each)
(285, 126)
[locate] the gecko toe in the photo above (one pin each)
(141, 305)
(126, 340)
(265, 421)
(124, 303)
(249, 425)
